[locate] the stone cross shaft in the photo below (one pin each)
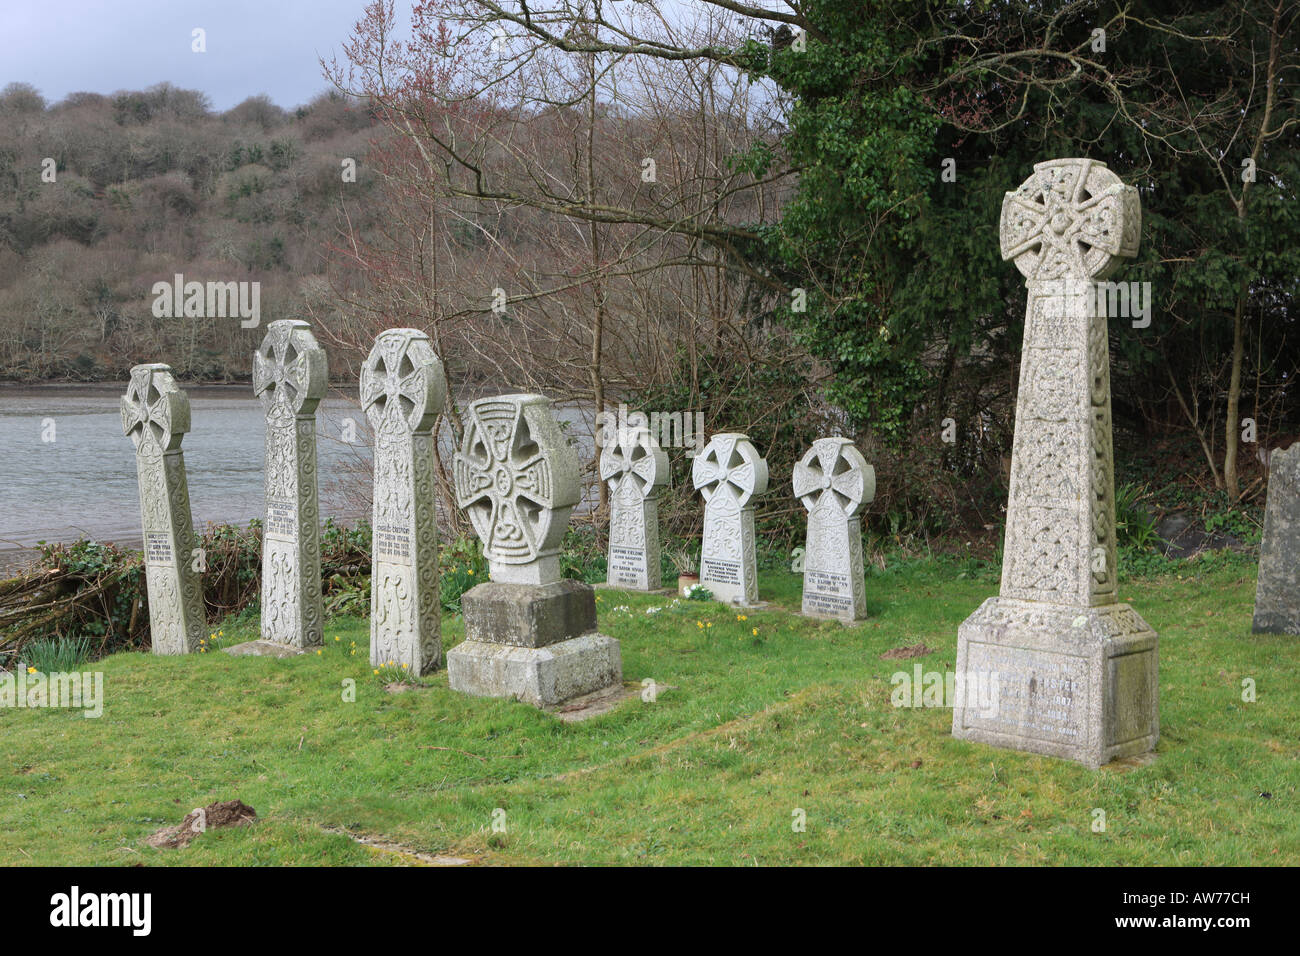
(1067, 226)
(728, 474)
(403, 390)
(635, 469)
(290, 378)
(156, 416)
(835, 483)
(517, 478)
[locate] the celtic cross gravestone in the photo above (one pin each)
(403, 388)
(728, 474)
(834, 482)
(1075, 670)
(156, 416)
(635, 469)
(528, 634)
(289, 376)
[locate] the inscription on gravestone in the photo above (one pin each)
(403, 390)
(289, 376)
(156, 416)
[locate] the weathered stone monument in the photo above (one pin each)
(635, 469)
(528, 634)
(728, 474)
(289, 376)
(1277, 590)
(403, 388)
(1076, 671)
(835, 483)
(156, 416)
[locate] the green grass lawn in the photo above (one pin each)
(746, 731)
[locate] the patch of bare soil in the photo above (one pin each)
(904, 653)
(404, 854)
(600, 701)
(231, 813)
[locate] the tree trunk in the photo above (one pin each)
(1231, 433)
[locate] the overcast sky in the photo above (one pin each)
(253, 46)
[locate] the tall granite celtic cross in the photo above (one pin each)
(1076, 671)
(728, 474)
(156, 416)
(403, 388)
(289, 376)
(528, 634)
(517, 478)
(835, 483)
(635, 468)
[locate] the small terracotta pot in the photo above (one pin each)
(685, 581)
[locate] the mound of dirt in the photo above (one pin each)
(231, 813)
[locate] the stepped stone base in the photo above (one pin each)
(1076, 683)
(541, 676)
(536, 643)
(528, 615)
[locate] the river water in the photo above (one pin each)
(67, 471)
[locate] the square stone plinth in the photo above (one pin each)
(528, 615)
(541, 676)
(1077, 683)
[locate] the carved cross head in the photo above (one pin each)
(634, 464)
(516, 477)
(289, 372)
(403, 381)
(833, 473)
(1072, 219)
(730, 466)
(155, 411)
